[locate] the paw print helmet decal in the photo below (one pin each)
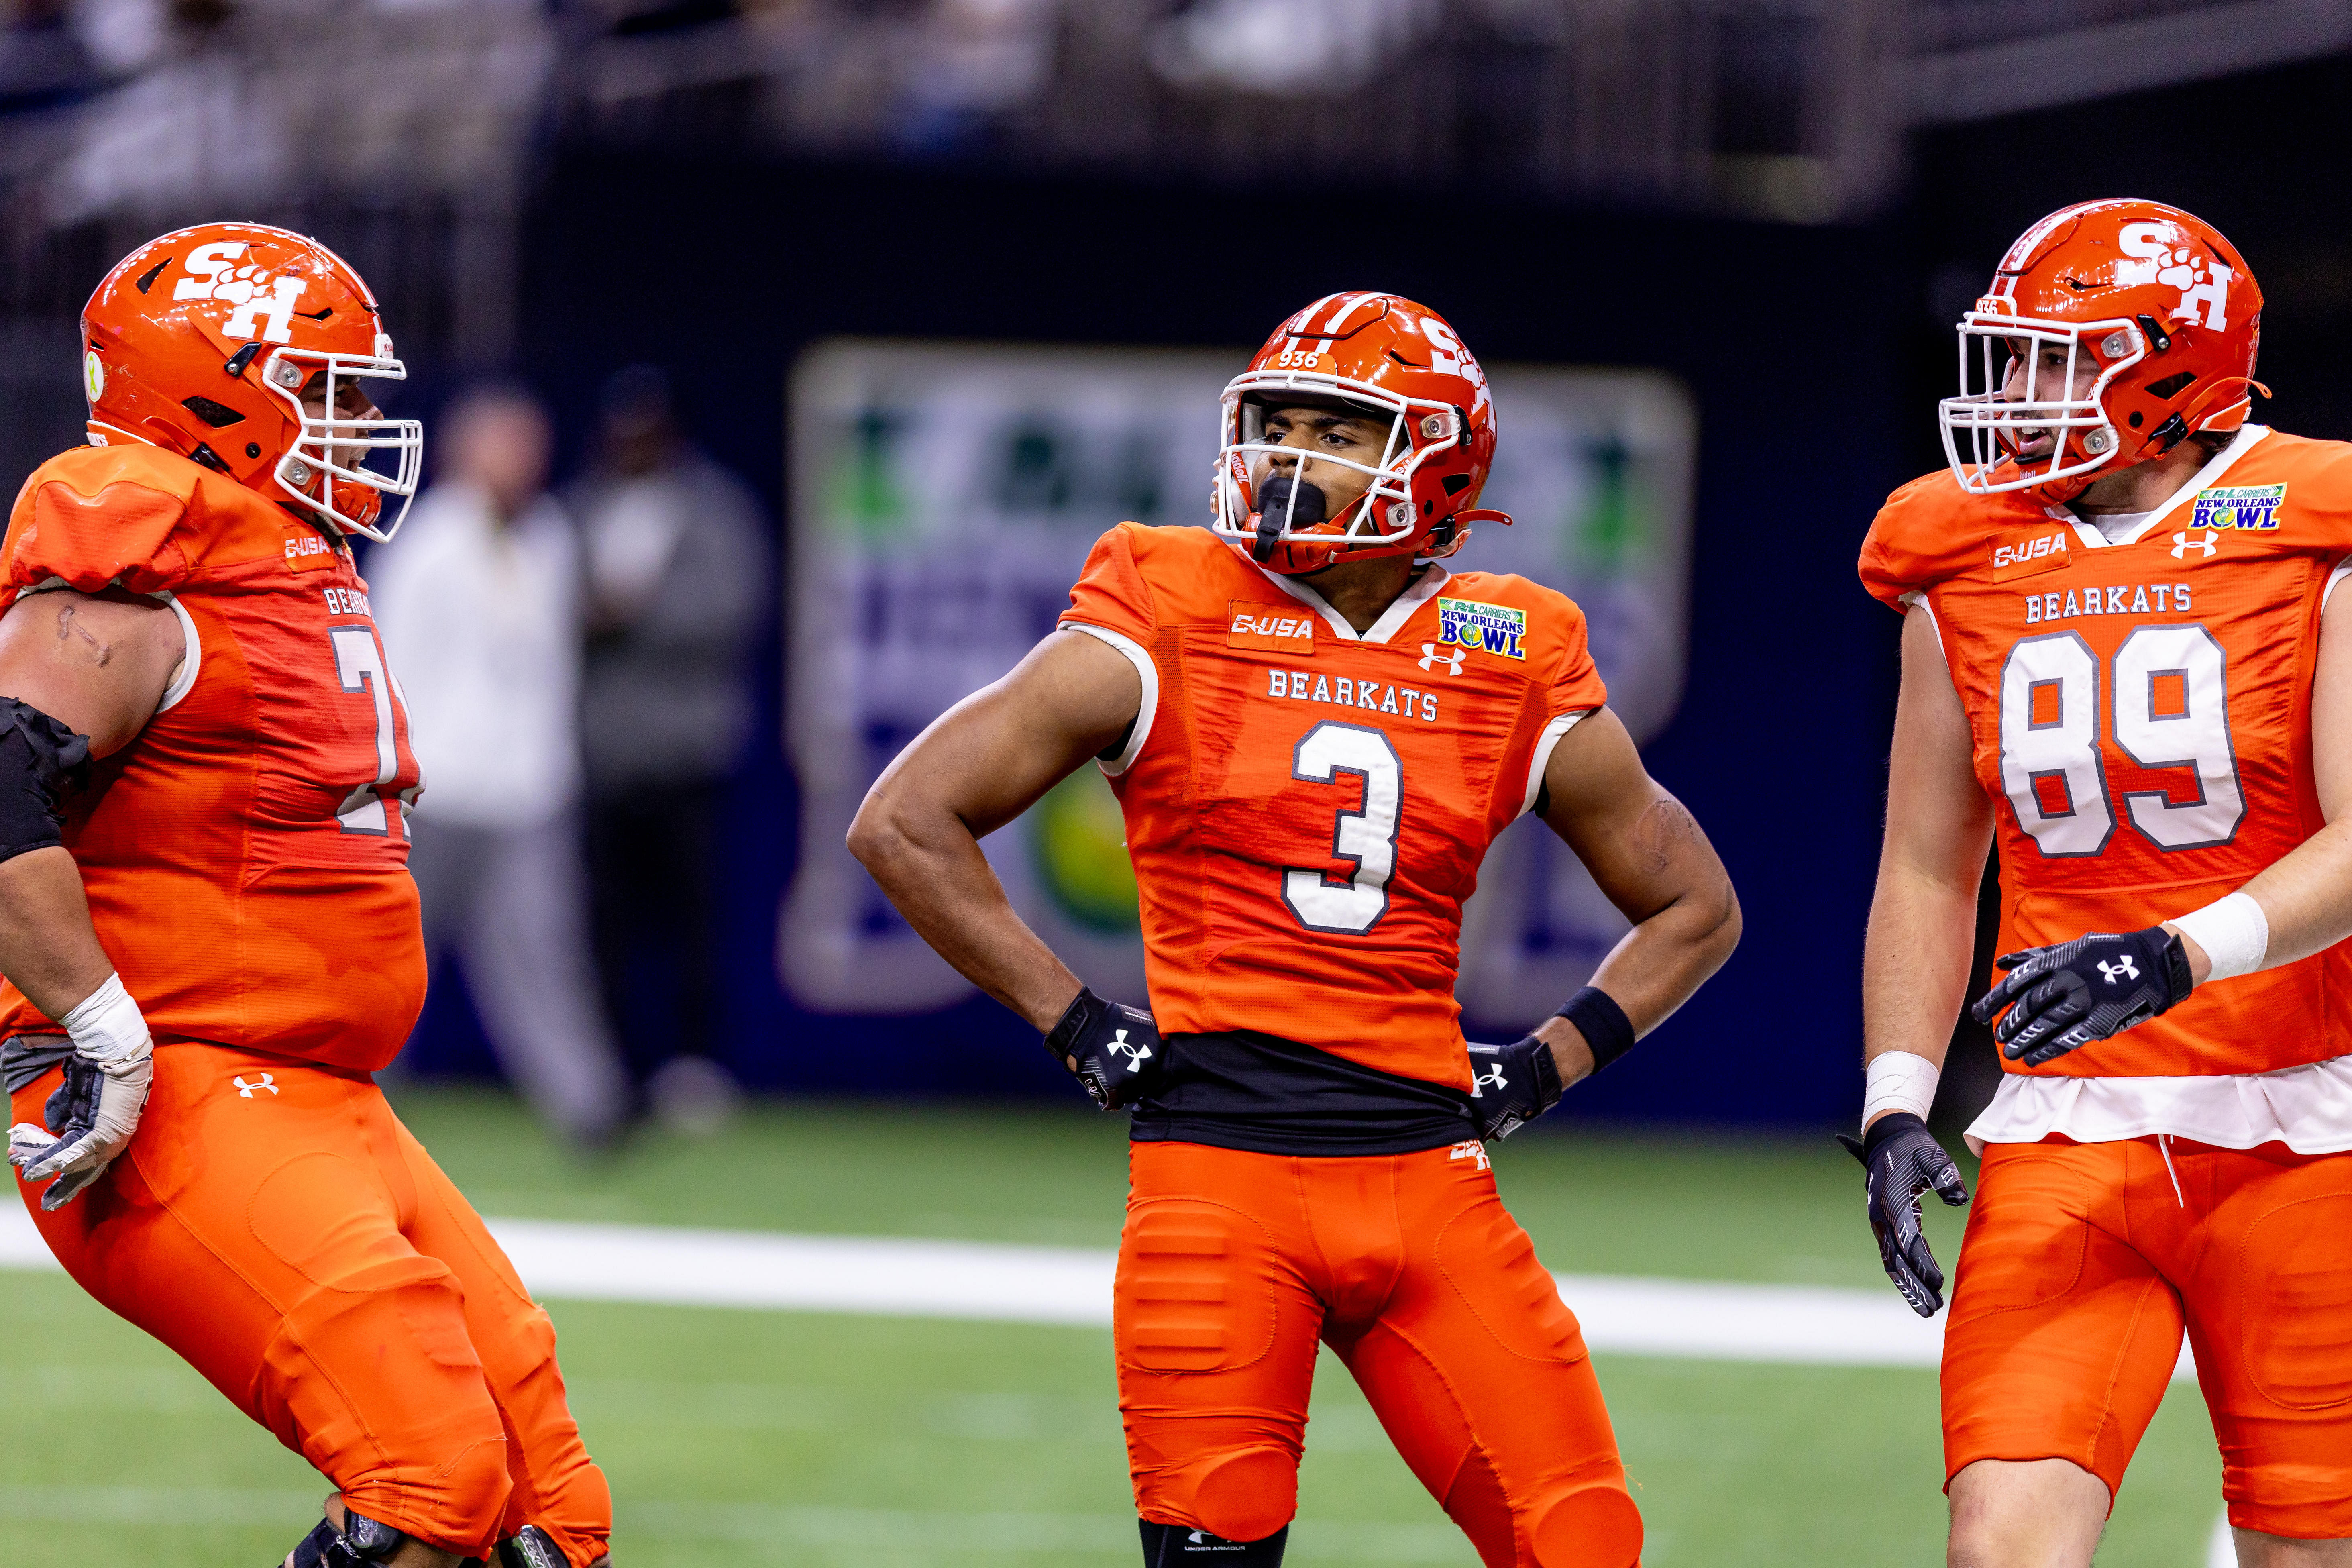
(204, 343)
(1400, 365)
(2112, 331)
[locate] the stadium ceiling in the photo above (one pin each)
(1788, 109)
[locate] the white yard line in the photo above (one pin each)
(1792, 1324)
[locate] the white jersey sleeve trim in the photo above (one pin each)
(1149, 672)
(2306, 1108)
(1918, 600)
(2343, 570)
(1542, 757)
(192, 657)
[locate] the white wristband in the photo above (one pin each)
(106, 1028)
(1899, 1080)
(2233, 931)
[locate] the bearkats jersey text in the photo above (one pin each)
(1307, 808)
(2141, 718)
(245, 857)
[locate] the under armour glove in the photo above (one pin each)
(116, 1062)
(1903, 1160)
(1113, 1050)
(1512, 1085)
(2071, 992)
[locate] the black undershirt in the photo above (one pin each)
(1241, 1090)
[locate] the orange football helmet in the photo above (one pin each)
(1378, 354)
(2154, 299)
(202, 343)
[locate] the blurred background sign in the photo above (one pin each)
(944, 498)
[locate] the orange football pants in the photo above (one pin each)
(1232, 1265)
(274, 1224)
(2082, 1264)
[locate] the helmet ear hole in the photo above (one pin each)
(1456, 483)
(2171, 386)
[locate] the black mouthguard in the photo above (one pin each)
(1276, 510)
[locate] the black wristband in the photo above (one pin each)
(1607, 1032)
(1887, 1127)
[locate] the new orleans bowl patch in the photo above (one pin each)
(1489, 628)
(2250, 507)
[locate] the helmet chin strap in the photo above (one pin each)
(1284, 503)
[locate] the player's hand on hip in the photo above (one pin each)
(90, 1117)
(1903, 1160)
(1112, 1049)
(2071, 992)
(1511, 1085)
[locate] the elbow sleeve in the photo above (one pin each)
(41, 763)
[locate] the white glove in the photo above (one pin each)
(108, 1033)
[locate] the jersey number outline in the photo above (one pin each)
(2050, 721)
(1368, 836)
(360, 667)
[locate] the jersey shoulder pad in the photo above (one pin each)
(1190, 571)
(100, 515)
(1931, 530)
(2298, 485)
(1137, 578)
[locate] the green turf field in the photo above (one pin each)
(759, 1437)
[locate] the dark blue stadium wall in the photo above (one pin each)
(1792, 340)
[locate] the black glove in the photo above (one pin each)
(1512, 1085)
(2072, 993)
(1904, 1160)
(1112, 1049)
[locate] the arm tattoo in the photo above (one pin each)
(1661, 831)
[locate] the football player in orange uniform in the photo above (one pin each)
(1315, 731)
(2123, 660)
(207, 926)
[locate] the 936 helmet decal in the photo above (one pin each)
(266, 333)
(2149, 302)
(1393, 363)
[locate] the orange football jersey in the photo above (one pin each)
(1307, 808)
(2141, 719)
(245, 857)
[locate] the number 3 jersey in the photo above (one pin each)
(244, 857)
(2140, 714)
(1307, 808)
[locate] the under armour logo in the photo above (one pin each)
(245, 1090)
(1491, 1079)
(1431, 658)
(2187, 540)
(2123, 969)
(1472, 1150)
(1136, 1053)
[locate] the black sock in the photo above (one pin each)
(1174, 1546)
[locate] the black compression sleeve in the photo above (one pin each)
(1601, 1022)
(41, 762)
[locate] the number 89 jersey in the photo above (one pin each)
(1307, 808)
(245, 857)
(2140, 716)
